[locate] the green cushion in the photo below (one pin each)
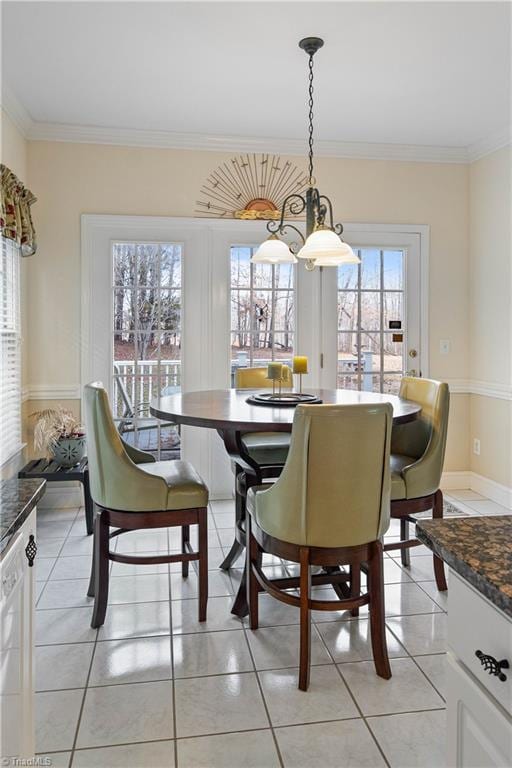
(131, 481)
(185, 489)
(267, 447)
(398, 461)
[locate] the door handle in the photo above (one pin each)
(31, 550)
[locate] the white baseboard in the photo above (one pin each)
(456, 481)
(472, 481)
(501, 494)
(62, 496)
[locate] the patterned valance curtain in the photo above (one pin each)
(15, 217)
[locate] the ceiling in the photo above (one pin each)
(412, 73)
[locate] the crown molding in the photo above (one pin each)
(491, 143)
(214, 143)
(33, 130)
(16, 112)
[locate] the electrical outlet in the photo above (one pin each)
(444, 346)
(476, 446)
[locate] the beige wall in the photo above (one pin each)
(490, 271)
(13, 146)
(71, 179)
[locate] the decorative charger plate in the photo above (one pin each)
(284, 400)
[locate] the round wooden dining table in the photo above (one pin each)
(228, 412)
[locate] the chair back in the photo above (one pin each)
(424, 439)
(116, 482)
(334, 490)
(254, 378)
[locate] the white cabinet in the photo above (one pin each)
(479, 704)
(17, 601)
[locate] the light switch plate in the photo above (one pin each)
(444, 346)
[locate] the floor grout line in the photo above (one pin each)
(171, 643)
(262, 694)
(244, 627)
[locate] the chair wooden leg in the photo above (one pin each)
(185, 539)
(203, 562)
(252, 556)
(405, 554)
(305, 619)
(439, 573)
(90, 590)
(101, 569)
(355, 585)
(377, 612)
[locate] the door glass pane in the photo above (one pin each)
(348, 277)
(262, 311)
(348, 310)
(371, 323)
(393, 270)
(370, 310)
(370, 269)
(146, 341)
(393, 310)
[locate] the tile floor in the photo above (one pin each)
(153, 687)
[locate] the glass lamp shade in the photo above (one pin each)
(273, 251)
(327, 249)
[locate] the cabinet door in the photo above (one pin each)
(16, 648)
(479, 731)
(28, 642)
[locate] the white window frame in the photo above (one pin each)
(10, 326)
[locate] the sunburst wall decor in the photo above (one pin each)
(250, 187)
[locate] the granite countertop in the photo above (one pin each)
(17, 500)
(479, 549)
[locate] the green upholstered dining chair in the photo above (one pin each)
(132, 492)
(260, 454)
(417, 456)
(329, 507)
(264, 448)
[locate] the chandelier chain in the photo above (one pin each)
(311, 178)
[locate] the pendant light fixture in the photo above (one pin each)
(322, 246)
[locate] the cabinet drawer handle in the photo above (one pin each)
(492, 665)
(31, 550)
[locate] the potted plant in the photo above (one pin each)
(60, 435)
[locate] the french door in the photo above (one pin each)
(174, 305)
(371, 326)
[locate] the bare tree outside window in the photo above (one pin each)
(147, 337)
(370, 296)
(262, 310)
